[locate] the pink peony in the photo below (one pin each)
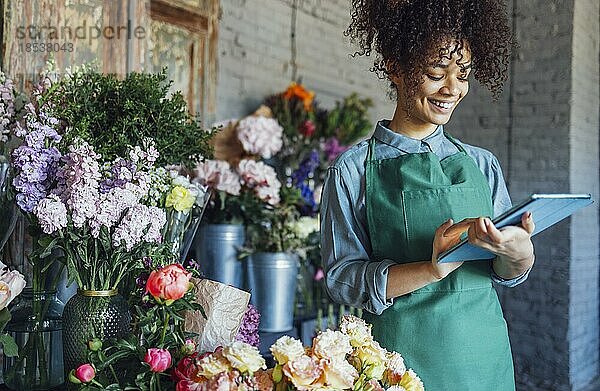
(158, 359)
(85, 373)
(169, 283)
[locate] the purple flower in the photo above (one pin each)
(248, 331)
(333, 148)
(307, 167)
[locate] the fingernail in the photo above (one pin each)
(528, 215)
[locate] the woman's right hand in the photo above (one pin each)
(442, 243)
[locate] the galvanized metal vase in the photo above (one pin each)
(216, 250)
(272, 279)
(88, 314)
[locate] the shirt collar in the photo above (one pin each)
(407, 144)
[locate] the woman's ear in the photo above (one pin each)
(394, 73)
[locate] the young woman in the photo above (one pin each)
(390, 203)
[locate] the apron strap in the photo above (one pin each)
(453, 140)
(371, 151)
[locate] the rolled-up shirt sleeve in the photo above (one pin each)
(352, 278)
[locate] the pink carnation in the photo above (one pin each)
(262, 178)
(218, 175)
(260, 136)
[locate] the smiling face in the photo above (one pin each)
(444, 85)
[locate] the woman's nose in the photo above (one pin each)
(450, 87)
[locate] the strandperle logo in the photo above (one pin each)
(81, 32)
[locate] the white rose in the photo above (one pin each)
(244, 357)
(287, 349)
(11, 285)
(332, 345)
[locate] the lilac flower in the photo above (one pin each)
(7, 106)
(141, 223)
(333, 148)
(78, 182)
(36, 161)
(51, 213)
(248, 331)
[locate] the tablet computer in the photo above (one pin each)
(546, 209)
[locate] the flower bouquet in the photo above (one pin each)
(184, 203)
(348, 359)
(236, 367)
(143, 360)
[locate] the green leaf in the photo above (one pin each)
(9, 346)
(5, 317)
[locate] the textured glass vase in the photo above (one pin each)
(89, 314)
(36, 326)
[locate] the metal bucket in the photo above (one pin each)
(272, 279)
(216, 250)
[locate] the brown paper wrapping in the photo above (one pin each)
(224, 306)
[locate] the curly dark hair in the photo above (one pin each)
(405, 34)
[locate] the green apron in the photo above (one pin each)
(452, 333)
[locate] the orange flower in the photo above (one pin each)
(296, 90)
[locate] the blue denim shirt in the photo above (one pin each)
(352, 278)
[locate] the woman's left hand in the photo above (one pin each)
(512, 244)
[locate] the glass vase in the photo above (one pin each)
(8, 208)
(89, 314)
(36, 326)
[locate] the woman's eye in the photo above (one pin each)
(463, 79)
(435, 78)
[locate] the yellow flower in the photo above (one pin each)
(181, 199)
(372, 360)
(244, 357)
(411, 382)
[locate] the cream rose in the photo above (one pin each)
(304, 372)
(286, 349)
(244, 357)
(212, 365)
(332, 345)
(357, 329)
(339, 374)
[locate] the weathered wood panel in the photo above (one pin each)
(118, 36)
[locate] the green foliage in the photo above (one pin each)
(349, 121)
(113, 115)
(275, 229)
(229, 209)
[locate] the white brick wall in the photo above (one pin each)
(255, 55)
